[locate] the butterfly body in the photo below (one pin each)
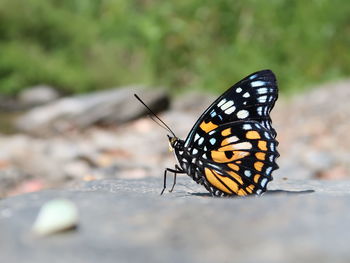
(231, 149)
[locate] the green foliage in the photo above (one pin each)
(184, 44)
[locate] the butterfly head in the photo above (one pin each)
(172, 142)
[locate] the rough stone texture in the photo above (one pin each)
(103, 107)
(127, 221)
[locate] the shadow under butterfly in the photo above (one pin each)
(270, 192)
(232, 148)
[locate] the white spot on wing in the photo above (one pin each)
(232, 139)
(242, 146)
(196, 137)
(263, 182)
(230, 110)
(221, 102)
(247, 173)
(262, 90)
(227, 105)
(194, 151)
(246, 95)
(253, 76)
(212, 141)
(259, 110)
(262, 99)
(242, 114)
(213, 114)
(239, 90)
(265, 110)
(268, 170)
(200, 141)
(259, 191)
(257, 83)
(247, 126)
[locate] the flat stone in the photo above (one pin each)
(127, 221)
(113, 106)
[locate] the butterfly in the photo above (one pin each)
(232, 148)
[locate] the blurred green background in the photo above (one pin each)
(83, 45)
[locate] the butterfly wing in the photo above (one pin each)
(238, 158)
(252, 98)
(233, 141)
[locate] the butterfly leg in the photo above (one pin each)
(172, 171)
(165, 173)
(179, 171)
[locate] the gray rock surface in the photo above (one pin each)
(37, 95)
(104, 107)
(127, 221)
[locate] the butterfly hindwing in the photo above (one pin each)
(237, 158)
(250, 99)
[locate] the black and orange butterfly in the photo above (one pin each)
(231, 149)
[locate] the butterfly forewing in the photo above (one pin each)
(250, 99)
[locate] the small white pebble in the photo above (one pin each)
(55, 216)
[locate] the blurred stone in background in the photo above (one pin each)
(113, 106)
(37, 95)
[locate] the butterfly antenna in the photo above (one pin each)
(165, 126)
(156, 121)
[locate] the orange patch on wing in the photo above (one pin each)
(252, 135)
(220, 157)
(226, 132)
(258, 166)
(250, 188)
(262, 145)
(233, 166)
(241, 192)
(212, 178)
(260, 155)
(236, 177)
(207, 127)
(256, 178)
